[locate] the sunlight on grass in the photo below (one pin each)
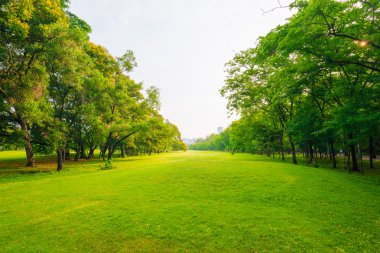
(194, 201)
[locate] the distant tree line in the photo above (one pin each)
(60, 92)
(311, 85)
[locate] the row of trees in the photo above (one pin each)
(310, 85)
(60, 92)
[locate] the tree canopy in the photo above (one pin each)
(61, 92)
(310, 85)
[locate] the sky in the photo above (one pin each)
(181, 47)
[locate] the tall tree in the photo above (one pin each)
(27, 29)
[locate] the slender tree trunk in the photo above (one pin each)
(311, 152)
(91, 152)
(111, 151)
(67, 154)
(316, 155)
(316, 152)
(355, 166)
(360, 153)
(332, 152)
(122, 150)
(282, 148)
(60, 159)
(76, 158)
(82, 151)
(127, 151)
(293, 149)
(371, 151)
(104, 151)
(30, 159)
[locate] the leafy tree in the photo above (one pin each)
(27, 29)
(315, 78)
(59, 91)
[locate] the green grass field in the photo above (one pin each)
(189, 202)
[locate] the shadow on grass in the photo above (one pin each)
(321, 163)
(12, 163)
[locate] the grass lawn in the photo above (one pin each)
(189, 202)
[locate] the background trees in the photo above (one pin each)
(60, 92)
(313, 81)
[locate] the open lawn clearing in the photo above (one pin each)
(193, 201)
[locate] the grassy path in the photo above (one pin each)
(194, 201)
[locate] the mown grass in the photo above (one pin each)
(190, 202)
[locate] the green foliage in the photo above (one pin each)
(127, 61)
(313, 80)
(59, 91)
(76, 22)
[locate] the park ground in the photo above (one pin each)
(186, 202)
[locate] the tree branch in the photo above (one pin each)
(280, 6)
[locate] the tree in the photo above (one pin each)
(315, 78)
(27, 29)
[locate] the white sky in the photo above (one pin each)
(181, 47)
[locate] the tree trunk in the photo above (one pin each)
(293, 149)
(60, 159)
(371, 151)
(30, 159)
(282, 149)
(82, 151)
(110, 152)
(67, 154)
(316, 155)
(311, 152)
(91, 152)
(103, 150)
(122, 150)
(355, 166)
(332, 152)
(76, 158)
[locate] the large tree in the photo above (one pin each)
(316, 76)
(27, 30)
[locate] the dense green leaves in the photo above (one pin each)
(314, 80)
(60, 92)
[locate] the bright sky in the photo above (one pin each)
(181, 47)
